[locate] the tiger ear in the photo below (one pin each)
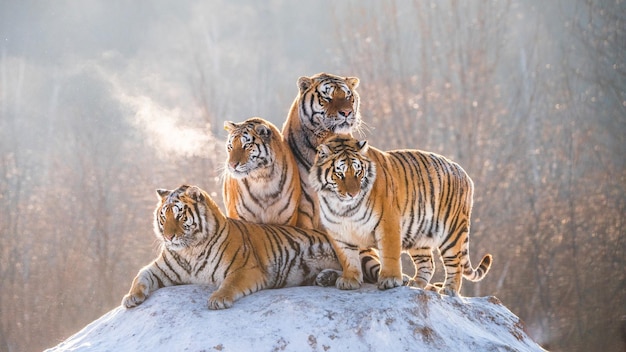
(162, 193)
(195, 193)
(229, 125)
(263, 131)
(362, 146)
(304, 83)
(323, 152)
(353, 82)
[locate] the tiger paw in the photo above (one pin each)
(420, 283)
(432, 288)
(131, 301)
(385, 283)
(217, 301)
(344, 283)
(327, 277)
(407, 280)
(448, 291)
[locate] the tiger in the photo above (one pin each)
(261, 179)
(326, 104)
(398, 200)
(200, 245)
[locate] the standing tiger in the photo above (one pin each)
(200, 245)
(398, 200)
(261, 182)
(326, 104)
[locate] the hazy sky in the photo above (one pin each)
(160, 61)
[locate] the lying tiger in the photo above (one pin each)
(200, 245)
(398, 200)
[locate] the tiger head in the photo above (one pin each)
(251, 147)
(329, 103)
(343, 169)
(178, 219)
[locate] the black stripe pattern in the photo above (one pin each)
(261, 182)
(237, 257)
(326, 104)
(407, 200)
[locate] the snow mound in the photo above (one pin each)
(307, 319)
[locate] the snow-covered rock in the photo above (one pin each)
(307, 319)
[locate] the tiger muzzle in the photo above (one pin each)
(353, 187)
(171, 227)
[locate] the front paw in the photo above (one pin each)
(219, 301)
(133, 300)
(385, 283)
(346, 283)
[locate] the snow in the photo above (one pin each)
(306, 319)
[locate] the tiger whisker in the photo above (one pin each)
(361, 127)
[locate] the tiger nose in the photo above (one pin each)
(345, 112)
(353, 194)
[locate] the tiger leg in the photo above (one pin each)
(236, 285)
(348, 256)
(452, 254)
(424, 267)
(370, 265)
(305, 219)
(308, 217)
(146, 282)
(389, 242)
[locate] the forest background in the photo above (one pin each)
(102, 102)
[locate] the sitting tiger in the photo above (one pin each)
(200, 245)
(261, 182)
(398, 200)
(326, 104)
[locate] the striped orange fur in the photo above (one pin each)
(261, 180)
(200, 245)
(326, 104)
(399, 200)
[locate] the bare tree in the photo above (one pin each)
(508, 91)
